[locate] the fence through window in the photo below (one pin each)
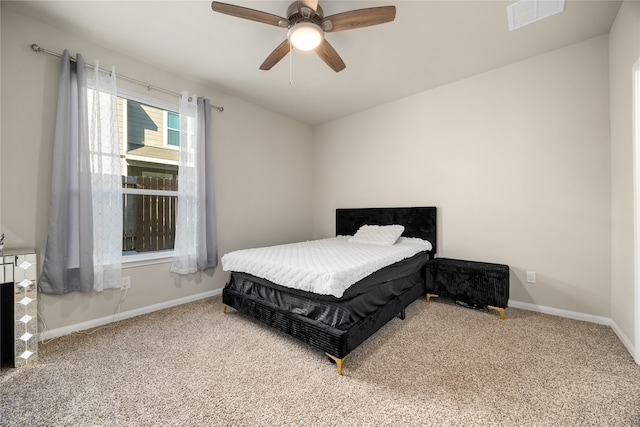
(150, 207)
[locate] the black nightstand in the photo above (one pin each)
(475, 283)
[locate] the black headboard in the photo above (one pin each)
(418, 222)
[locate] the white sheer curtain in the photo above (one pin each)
(195, 246)
(84, 244)
(106, 179)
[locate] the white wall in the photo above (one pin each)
(0, 128)
(516, 160)
(624, 51)
(262, 169)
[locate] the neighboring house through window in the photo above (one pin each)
(149, 136)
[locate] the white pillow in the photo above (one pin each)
(385, 235)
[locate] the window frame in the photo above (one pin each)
(154, 257)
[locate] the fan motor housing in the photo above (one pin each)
(294, 16)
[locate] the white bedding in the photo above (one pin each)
(326, 266)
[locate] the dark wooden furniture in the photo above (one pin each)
(7, 355)
(338, 343)
(475, 283)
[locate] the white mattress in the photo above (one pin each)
(326, 266)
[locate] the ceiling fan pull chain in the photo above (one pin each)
(290, 65)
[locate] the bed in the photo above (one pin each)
(337, 325)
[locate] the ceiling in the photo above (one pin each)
(430, 44)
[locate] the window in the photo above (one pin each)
(149, 135)
(173, 129)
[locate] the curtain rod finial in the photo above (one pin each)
(36, 48)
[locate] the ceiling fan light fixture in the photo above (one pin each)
(307, 24)
(305, 35)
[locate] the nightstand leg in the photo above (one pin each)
(338, 362)
(499, 310)
(429, 296)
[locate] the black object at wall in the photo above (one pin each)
(478, 284)
(6, 325)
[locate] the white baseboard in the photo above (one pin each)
(625, 340)
(562, 313)
(578, 316)
(55, 333)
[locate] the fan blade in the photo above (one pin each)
(359, 18)
(275, 56)
(251, 14)
(307, 8)
(329, 55)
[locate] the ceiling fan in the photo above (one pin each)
(307, 24)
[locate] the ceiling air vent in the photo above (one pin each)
(526, 12)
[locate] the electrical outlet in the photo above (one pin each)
(531, 277)
(125, 283)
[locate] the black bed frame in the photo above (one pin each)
(337, 344)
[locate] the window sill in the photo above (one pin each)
(134, 259)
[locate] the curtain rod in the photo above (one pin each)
(36, 48)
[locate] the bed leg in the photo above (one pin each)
(499, 310)
(402, 315)
(338, 362)
(429, 296)
(224, 308)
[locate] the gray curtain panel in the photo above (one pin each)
(208, 239)
(68, 260)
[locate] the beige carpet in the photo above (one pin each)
(443, 366)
